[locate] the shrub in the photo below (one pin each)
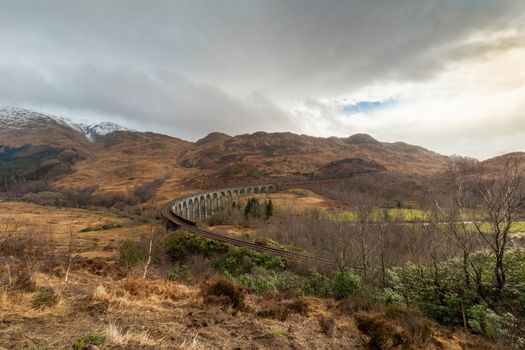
(24, 281)
(352, 305)
(345, 284)
(185, 244)
(253, 208)
(226, 290)
(299, 305)
(129, 255)
(91, 339)
(485, 321)
(180, 273)
(383, 333)
(413, 322)
(389, 296)
(259, 283)
(318, 284)
(231, 260)
(274, 311)
(99, 293)
(104, 227)
(263, 260)
(327, 324)
(44, 298)
(140, 288)
(263, 281)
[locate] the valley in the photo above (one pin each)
(336, 253)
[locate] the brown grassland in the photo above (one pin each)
(129, 312)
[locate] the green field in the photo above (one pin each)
(410, 215)
(393, 214)
(518, 226)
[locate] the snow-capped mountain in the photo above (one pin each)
(16, 118)
(101, 129)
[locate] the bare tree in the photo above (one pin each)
(8, 231)
(501, 197)
(71, 232)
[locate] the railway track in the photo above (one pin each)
(182, 223)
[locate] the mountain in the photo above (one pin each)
(102, 129)
(114, 159)
(286, 154)
(57, 151)
(25, 120)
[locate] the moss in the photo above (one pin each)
(96, 339)
(44, 298)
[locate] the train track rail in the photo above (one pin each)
(182, 223)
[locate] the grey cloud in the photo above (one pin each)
(190, 67)
(162, 101)
(289, 46)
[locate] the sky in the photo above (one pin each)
(448, 75)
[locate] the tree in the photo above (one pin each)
(252, 208)
(268, 212)
(501, 198)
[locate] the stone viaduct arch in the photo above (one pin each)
(204, 204)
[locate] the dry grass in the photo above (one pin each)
(225, 292)
(59, 221)
(154, 313)
(192, 344)
(22, 304)
(115, 336)
(327, 324)
(141, 288)
(100, 294)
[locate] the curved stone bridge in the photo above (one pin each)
(182, 212)
(203, 204)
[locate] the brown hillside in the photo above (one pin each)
(122, 160)
(285, 154)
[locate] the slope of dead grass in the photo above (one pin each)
(158, 314)
(133, 313)
(151, 314)
(57, 223)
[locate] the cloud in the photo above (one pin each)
(191, 67)
(163, 101)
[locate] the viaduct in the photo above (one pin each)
(204, 204)
(182, 213)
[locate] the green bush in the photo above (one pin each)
(345, 284)
(318, 284)
(389, 296)
(228, 259)
(91, 339)
(263, 281)
(252, 208)
(44, 298)
(130, 255)
(185, 244)
(180, 273)
(485, 321)
(259, 283)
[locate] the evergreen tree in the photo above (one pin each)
(268, 212)
(252, 208)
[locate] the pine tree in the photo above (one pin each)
(248, 207)
(268, 212)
